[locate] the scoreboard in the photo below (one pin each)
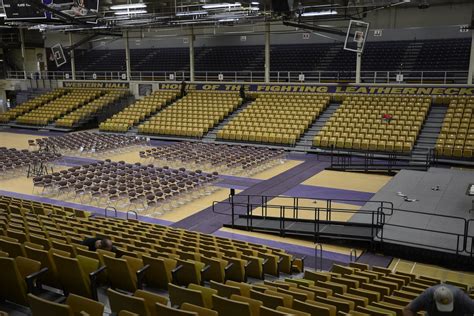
(22, 10)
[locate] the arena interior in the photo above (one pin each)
(234, 158)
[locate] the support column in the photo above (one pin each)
(471, 61)
(73, 60)
(358, 64)
(127, 56)
(23, 52)
(191, 55)
(267, 52)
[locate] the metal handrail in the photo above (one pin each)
(411, 76)
(133, 212)
(462, 235)
(110, 208)
(353, 255)
(318, 246)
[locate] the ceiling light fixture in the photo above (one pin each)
(228, 20)
(224, 5)
(128, 6)
(189, 13)
(129, 12)
(3, 15)
(319, 13)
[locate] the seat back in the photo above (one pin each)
(46, 259)
(71, 276)
(81, 304)
(254, 304)
(119, 301)
(14, 248)
(244, 287)
(201, 311)
(13, 286)
(164, 310)
(207, 293)
(265, 311)
(189, 273)
(41, 307)
(179, 295)
(270, 301)
(120, 274)
(225, 290)
(159, 273)
(225, 306)
(216, 269)
(290, 311)
(255, 268)
(314, 308)
(237, 271)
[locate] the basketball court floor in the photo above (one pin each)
(298, 176)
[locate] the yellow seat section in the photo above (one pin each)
(456, 139)
(193, 115)
(275, 118)
(138, 111)
(86, 112)
(359, 123)
(55, 109)
(31, 105)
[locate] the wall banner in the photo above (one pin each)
(459, 91)
(96, 85)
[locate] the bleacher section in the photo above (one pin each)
(201, 273)
(160, 59)
(358, 123)
(137, 112)
(55, 109)
(275, 118)
(193, 115)
(231, 58)
(447, 54)
(457, 134)
(429, 55)
(30, 105)
(90, 110)
(309, 57)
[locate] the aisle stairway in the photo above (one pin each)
(429, 132)
(306, 140)
(212, 134)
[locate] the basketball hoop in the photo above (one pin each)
(356, 36)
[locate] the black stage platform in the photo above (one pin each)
(418, 215)
(435, 214)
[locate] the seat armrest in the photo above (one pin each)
(93, 276)
(174, 273)
(141, 276)
(30, 279)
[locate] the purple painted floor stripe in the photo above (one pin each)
(93, 209)
(207, 221)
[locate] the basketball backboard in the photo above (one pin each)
(356, 36)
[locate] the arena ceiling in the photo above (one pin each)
(135, 14)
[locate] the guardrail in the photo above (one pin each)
(409, 76)
(460, 232)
